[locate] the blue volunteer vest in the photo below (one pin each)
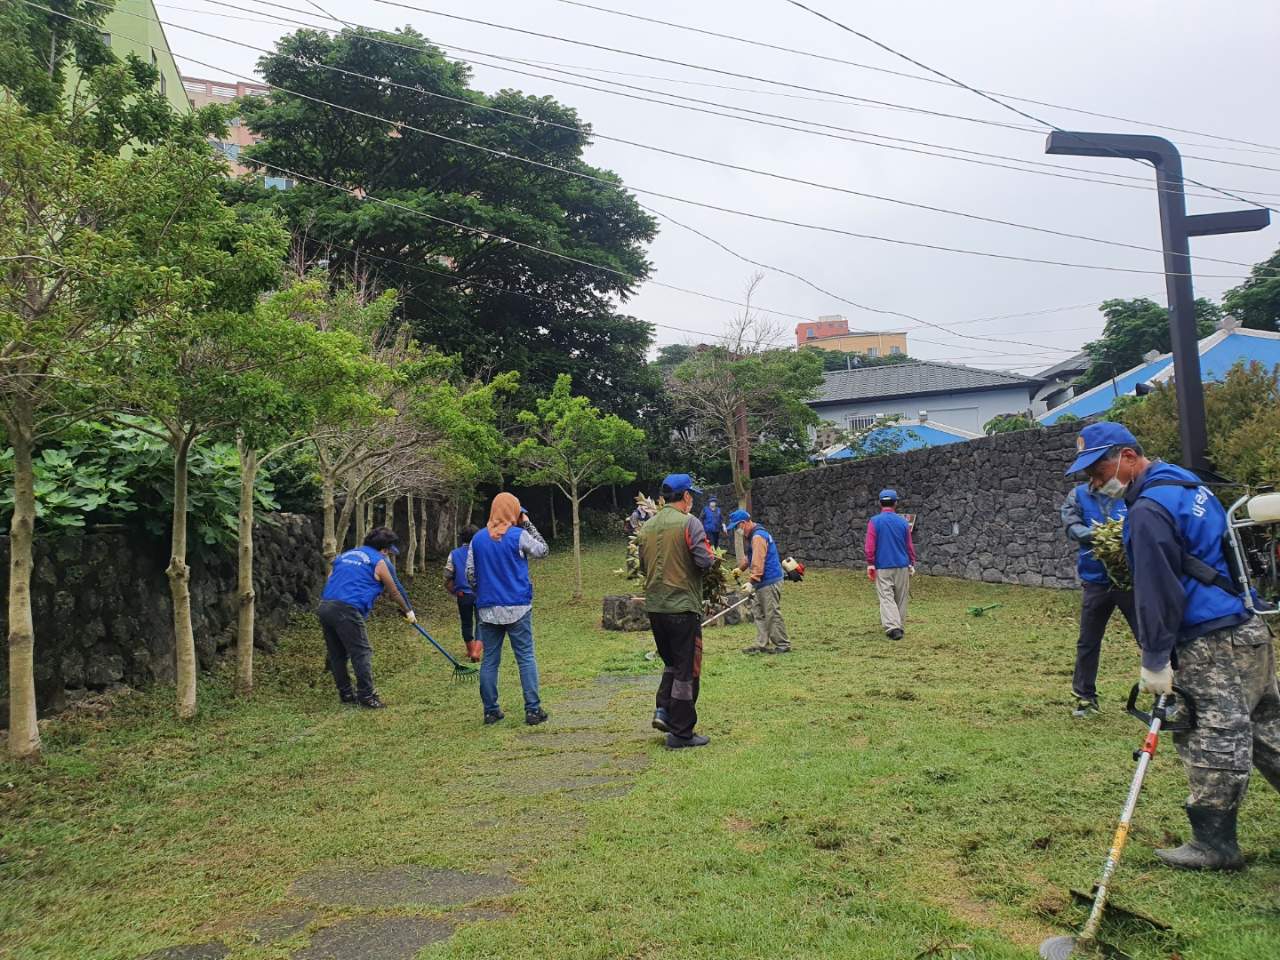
(891, 540)
(352, 581)
(1088, 566)
(772, 565)
(459, 559)
(711, 520)
(1201, 523)
(502, 572)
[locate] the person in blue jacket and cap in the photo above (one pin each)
(891, 562)
(712, 521)
(765, 575)
(1083, 507)
(1195, 626)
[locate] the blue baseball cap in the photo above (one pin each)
(1095, 440)
(888, 494)
(737, 517)
(677, 484)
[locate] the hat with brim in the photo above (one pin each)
(1094, 442)
(736, 518)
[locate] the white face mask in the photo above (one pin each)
(1113, 488)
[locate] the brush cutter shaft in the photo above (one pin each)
(1145, 753)
(716, 616)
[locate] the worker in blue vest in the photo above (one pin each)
(712, 521)
(1083, 507)
(764, 572)
(498, 569)
(357, 579)
(1196, 626)
(891, 562)
(455, 581)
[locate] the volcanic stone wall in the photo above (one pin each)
(985, 509)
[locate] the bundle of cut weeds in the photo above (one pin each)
(1108, 547)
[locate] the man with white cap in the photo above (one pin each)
(891, 560)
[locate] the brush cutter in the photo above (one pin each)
(733, 606)
(1173, 713)
(460, 672)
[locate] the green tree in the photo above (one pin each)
(571, 445)
(1134, 328)
(1256, 302)
(742, 393)
(851, 360)
(1242, 416)
(1010, 423)
(497, 305)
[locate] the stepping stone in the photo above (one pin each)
(566, 784)
(214, 950)
(400, 886)
(281, 926)
(629, 679)
(375, 938)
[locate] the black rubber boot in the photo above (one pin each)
(1213, 844)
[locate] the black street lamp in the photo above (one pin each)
(1176, 228)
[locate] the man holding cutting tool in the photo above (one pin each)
(673, 555)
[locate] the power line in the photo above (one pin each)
(899, 73)
(1051, 169)
(998, 102)
(506, 155)
(740, 168)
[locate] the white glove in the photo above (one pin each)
(748, 588)
(1156, 681)
(911, 571)
(410, 616)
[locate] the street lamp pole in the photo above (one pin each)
(1176, 229)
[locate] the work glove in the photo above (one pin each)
(748, 588)
(410, 616)
(911, 570)
(1156, 681)
(871, 573)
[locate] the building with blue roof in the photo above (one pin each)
(908, 436)
(1219, 352)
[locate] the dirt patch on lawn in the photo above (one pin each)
(954, 895)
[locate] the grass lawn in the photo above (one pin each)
(861, 798)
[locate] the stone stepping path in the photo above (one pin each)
(214, 950)
(375, 938)
(402, 886)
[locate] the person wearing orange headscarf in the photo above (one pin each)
(498, 569)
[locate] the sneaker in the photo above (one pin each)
(680, 743)
(493, 717)
(754, 649)
(348, 699)
(1085, 708)
(895, 634)
(372, 702)
(786, 649)
(535, 717)
(660, 720)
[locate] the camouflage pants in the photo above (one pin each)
(1231, 675)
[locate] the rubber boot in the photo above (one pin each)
(1213, 844)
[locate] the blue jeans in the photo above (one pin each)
(520, 634)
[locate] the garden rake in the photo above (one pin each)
(460, 672)
(1163, 714)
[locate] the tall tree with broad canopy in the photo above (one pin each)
(571, 445)
(1256, 302)
(497, 305)
(1134, 328)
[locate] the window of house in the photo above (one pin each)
(195, 86)
(230, 150)
(106, 39)
(164, 86)
(224, 91)
(861, 421)
(235, 122)
(873, 351)
(895, 350)
(809, 333)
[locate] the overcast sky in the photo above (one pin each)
(1202, 67)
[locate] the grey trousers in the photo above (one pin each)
(893, 584)
(766, 605)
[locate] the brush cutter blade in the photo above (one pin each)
(1065, 948)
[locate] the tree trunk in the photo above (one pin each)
(330, 542)
(389, 512)
(24, 731)
(411, 537)
(613, 492)
(425, 534)
(179, 573)
(555, 533)
(244, 572)
(742, 454)
(577, 544)
(362, 521)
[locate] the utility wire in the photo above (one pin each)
(899, 73)
(1092, 176)
(740, 168)
(998, 102)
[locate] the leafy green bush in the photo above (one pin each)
(1009, 423)
(105, 474)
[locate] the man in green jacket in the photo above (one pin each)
(673, 555)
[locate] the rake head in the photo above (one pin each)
(464, 674)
